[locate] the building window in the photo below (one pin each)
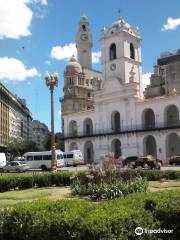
(115, 121)
(150, 146)
(84, 27)
(132, 54)
(88, 126)
(21, 128)
(171, 115)
(112, 51)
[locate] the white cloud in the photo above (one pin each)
(14, 69)
(47, 62)
(66, 51)
(146, 79)
(42, 2)
(16, 17)
(96, 56)
(171, 24)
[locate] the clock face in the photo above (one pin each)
(113, 66)
(84, 37)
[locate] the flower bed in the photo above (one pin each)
(106, 190)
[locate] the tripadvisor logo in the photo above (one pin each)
(139, 231)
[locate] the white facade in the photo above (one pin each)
(123, 121)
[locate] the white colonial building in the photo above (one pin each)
(108, 112)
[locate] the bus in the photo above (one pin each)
(73, 158)
(42, 160)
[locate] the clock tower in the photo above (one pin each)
(121, 55)
(84, 43)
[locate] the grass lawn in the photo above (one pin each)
(12, 197)
(54, 193)
(163, 185)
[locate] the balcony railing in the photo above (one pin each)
(125, 130)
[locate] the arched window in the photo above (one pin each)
(73, 146)
(116, 148)
(84, 27)
(150, 147)
(88, 152)
(148, 119)
(171, 115)
(73, 129)
(172, 145)
(132, 53)
(112, 51)
(88, 126)
(115, 121)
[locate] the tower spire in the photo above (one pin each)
(119, 14)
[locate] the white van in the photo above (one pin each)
(2, 160)
(42, 160)
(73, 158)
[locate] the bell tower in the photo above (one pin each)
(84, 43)
(121, 54)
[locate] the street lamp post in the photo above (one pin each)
(51, 82)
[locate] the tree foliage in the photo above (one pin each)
(17, 146)
(58, 140)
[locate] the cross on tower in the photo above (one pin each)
(119, 12)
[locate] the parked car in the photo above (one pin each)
(16, 166)
(19, 159)
(174, 160)
(148, 162)
(2, 160)
(130, 161)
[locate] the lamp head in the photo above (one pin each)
(47, 78)
(56, 77)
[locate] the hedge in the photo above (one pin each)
(63, 178)
(155, 175)
(80, 220)
(29, 180)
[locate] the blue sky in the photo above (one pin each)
(33, 34)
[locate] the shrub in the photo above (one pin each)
(128, 174)
(63, 178)
(29, 180)
(79, 220)
(42, 180)
(155, 175)
(105, 190)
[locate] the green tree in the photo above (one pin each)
(58, 139)
(47, 143)
(18, 146)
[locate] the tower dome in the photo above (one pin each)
(120, 23)
(83, 18)
(73, 66)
